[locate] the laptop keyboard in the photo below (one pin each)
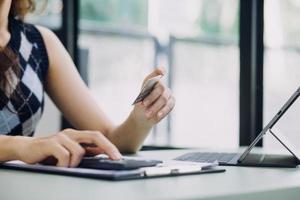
(207, 157)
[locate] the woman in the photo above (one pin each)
(32, 60)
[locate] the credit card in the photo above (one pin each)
(147, 89)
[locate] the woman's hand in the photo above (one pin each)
(156, 105)
(67, 147)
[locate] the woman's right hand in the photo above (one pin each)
(67, 147)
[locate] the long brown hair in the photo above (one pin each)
(19, 8)
(9, 62)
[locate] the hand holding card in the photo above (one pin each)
(154, 102)
(147, 88)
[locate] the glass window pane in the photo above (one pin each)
(47, 13)
(117, 65)
(205, 72)
(206, 85)
(125, 14)
(202, 60)
(281, 65)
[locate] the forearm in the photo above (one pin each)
(8, 146)
(129, 136)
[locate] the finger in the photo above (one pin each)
(155, 72)
(92, 151)
(110, 149)
(155, 94)
(50, 160)
(166, 109)
(61, 154)
(158, 104)
(76, 151)
(98, 139)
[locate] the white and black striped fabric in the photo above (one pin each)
(20, 115)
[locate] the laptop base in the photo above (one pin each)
(252, 160)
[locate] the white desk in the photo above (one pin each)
(235, 183)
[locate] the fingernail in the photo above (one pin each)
(117, 155)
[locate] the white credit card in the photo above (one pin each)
(147, 88)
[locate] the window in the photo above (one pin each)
(130, 14)
(47, 13)
(206, 75)
(281, 65)
(197, 43)
(119, 55)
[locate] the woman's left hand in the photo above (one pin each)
(156, 105)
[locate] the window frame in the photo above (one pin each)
(251, 70)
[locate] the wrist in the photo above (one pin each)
(140, 123)
(9, 147)
(15, 142)
(17, 145)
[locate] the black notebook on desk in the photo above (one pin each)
(162, 169)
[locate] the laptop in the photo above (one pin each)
(250, 159)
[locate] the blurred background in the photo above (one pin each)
(197, 41)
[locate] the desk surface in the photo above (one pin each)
(235, 183)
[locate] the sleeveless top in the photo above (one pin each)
(19, 115)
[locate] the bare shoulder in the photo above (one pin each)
(47, 35)
(56, 51)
